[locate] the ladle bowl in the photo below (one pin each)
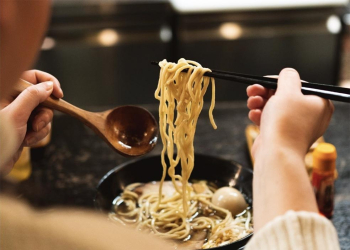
(130, 130)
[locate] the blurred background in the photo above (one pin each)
(101, 50)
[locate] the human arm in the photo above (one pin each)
(289, 123)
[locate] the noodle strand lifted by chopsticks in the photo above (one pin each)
(183, 93)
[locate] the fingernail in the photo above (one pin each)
(49, 85)
(40, 126)
(290, 71)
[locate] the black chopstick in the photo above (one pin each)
(319, 86)
(325, 91)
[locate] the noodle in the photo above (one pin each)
(187, 210)
(185, 92)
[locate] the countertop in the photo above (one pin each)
(66, 172)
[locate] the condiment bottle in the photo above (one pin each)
(23, 167)
(324, 157)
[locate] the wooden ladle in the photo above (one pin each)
(130, 130)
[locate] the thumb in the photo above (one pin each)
(289, 82)
(29, 99)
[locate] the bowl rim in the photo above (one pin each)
(124, 164)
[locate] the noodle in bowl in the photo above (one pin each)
(146, 170)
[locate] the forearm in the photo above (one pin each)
(280, 184)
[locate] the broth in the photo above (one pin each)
(126, 210)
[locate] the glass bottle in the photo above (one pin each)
(324, 159)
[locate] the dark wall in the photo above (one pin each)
(93, 75)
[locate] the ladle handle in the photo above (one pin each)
(54, 103)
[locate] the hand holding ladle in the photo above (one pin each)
(130, 130)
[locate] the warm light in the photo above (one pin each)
(333, 24)
(48, 43)
(230, 30)
(108, 37)
(165, 34)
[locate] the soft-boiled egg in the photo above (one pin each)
(230, 199)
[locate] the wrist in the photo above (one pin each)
(296, 144)
(276, 150)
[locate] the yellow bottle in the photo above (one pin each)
(23, 167)
(324, 158)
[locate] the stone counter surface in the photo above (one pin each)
(67, 171)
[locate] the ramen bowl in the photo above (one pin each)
(212, 169)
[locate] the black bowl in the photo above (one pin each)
(213, 169)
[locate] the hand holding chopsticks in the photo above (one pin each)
(308, 88)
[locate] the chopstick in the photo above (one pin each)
(308, 88)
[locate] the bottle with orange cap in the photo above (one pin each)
(324, 157)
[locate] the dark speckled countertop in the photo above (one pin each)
(66, 172)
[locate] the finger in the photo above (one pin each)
(331, 109)
(318, 102)
(288, 82)
(331, 106)
(271, 93)
(256, 102)
(276, 77)
(37, 76)
(29, 99)
(4, 103)
(256, 89)
(255, 116)
(42, 117)
(33, 138)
